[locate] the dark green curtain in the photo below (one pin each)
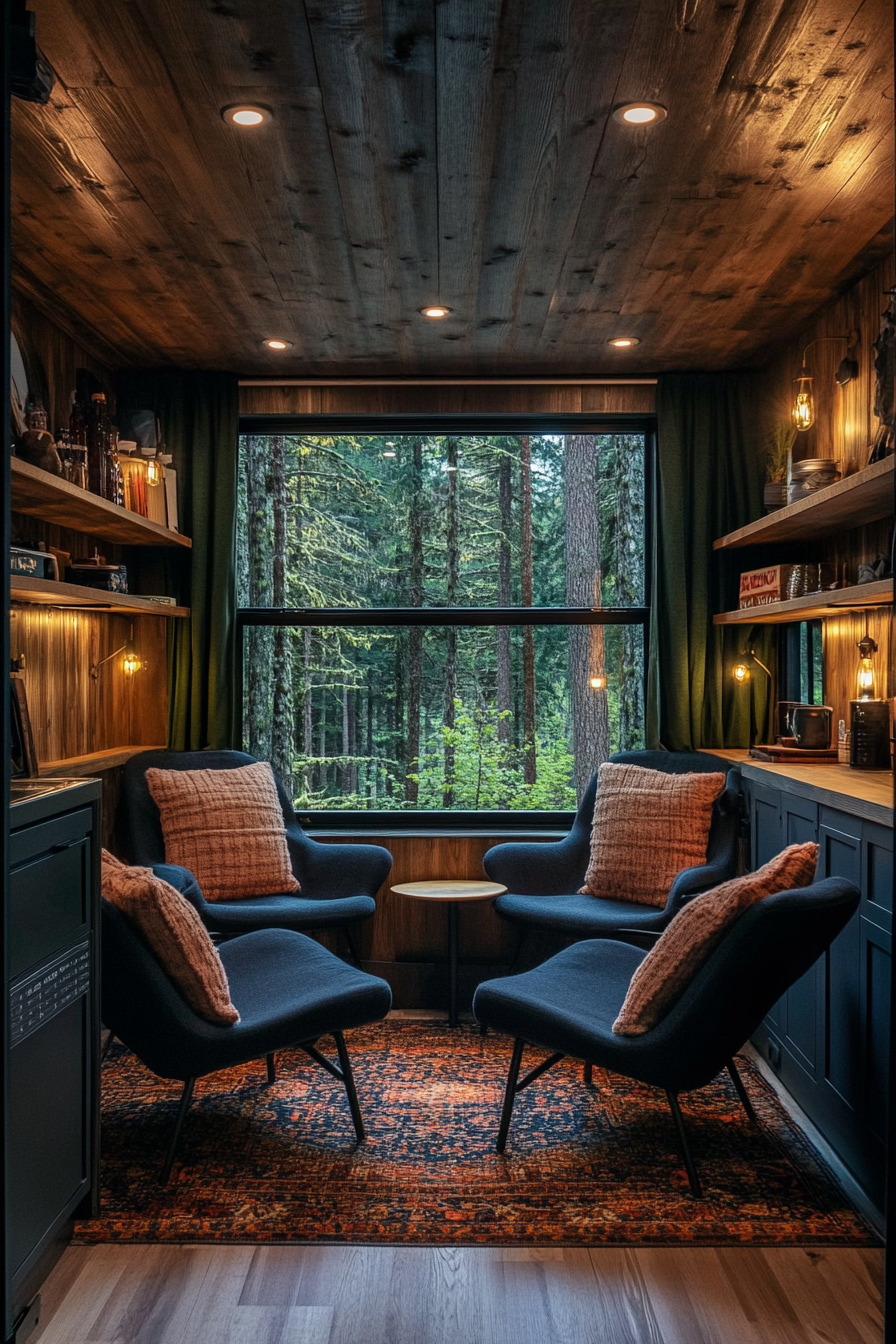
(199, 414)
(709, 481)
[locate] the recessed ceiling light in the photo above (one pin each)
(639, 114)
(390, 453)
(435, 310)
(623, 342)
(246, 114)
(275, 343)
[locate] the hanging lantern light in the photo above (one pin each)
(865, 677)
(804, 405)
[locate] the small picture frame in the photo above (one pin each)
(22, 756)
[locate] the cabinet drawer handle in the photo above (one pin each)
(66, 844)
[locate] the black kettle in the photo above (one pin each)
(811, 726)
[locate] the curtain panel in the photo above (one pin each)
(199, 415)
(710, 473)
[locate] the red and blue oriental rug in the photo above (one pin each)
(584, 1166)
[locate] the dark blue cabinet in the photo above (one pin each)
(828, 1037)
(51, 1111)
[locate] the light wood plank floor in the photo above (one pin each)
(449, 1295)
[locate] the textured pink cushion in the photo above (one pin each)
(677, 956)
(176, 934)
(227, 827)
(648, 827)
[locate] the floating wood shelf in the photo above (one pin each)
(95, 761)
(812, 606)
(49, 593)
(863, 498)
(54, 500)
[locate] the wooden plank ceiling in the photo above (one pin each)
(459, 150)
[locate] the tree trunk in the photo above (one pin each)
(345, 770)
(629, 493)
(258, 661)
(589, 737)
(323, 773)
(530, 764)
(371, 763)
(453, 559)
(307, 708)
(415, 633)
(281, 703)
(505, 687)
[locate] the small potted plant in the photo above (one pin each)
(777, 458)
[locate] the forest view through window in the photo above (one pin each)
(362, 708)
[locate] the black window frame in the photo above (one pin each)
(486, 821)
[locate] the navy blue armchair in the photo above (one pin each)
(543, 880)
(569, 1003)
(338, 882)
(288, 990)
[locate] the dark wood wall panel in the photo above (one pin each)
(52, 357)
(405, 929)
(426, 399)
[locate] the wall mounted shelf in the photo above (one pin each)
(813, 606)
(54, 500)
(47, 592)
(863, 498)
(93, 762)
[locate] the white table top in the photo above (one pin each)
(450, 889)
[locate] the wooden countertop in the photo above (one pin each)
(862, 793)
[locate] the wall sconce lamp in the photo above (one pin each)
(130, 663)
(598, 682)
(865, 677)
(741, 669)
(804, 403)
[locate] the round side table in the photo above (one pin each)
(450, 893)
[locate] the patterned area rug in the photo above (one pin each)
(584, 1166)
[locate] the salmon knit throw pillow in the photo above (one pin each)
(648, 826)
(175, 933)
(227, 827)
(677, 956)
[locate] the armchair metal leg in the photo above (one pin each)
(522, 938)
(351, 946)
(185, 1098)
(741, 1090)
(349, 1080)
(588, 1074)
(693, 1178)
(272, 1067)
(513, 1074)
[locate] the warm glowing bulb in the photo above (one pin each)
(435, 310)
(131, 662)
(598, 683)
(623, 342)
(276, 343)
(246, 114)
(639, 114)
(803, 406)
(865, 680)
(741, 672)
(153, 472)
(390, 454)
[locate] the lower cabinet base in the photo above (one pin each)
(862, 1153)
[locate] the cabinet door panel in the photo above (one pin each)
(842, 1019)
(49, 1130)
(877, 903)
(876, 963)
(799, 1013)
(766, 827)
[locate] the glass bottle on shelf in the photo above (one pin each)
(114, 477)
(63, 448)
(76, 425)
(97, 444)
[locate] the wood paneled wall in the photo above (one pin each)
(73, 714)
(845, 424)
(449, 399)
(844, 429)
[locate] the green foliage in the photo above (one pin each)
(352, 507)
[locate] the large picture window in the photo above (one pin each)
(442, 618)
